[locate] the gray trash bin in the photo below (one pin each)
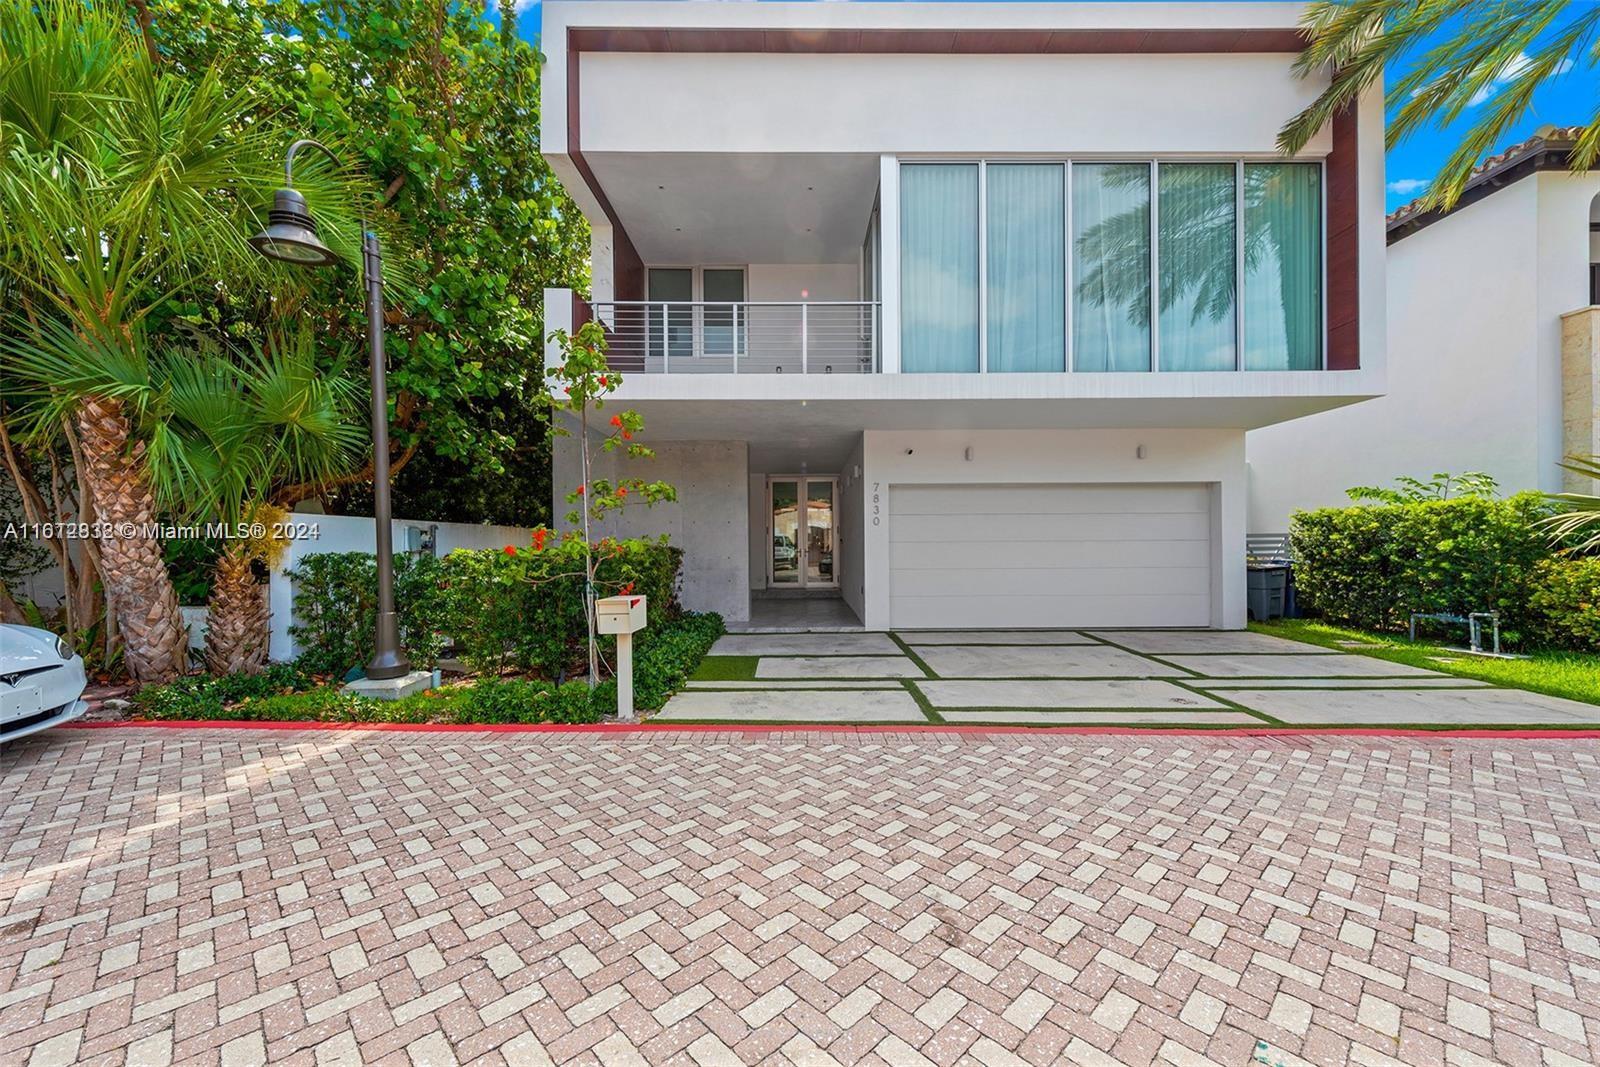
(1267, 586)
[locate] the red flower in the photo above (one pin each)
(538, 539)
(625, 590)
(510, 551)
(567, 389)
(627, 435)
(580, 490)
(616, 420)
(602, 379)
(622, 490)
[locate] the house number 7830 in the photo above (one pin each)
(877, 516)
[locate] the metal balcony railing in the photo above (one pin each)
(750, 337)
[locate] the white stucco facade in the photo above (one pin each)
(1474, 332)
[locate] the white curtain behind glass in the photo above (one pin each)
(938, 267)
(1026, 266)
(1196, 253)
(1111, 267)
(1283, 266)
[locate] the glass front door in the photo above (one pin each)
(802, 527)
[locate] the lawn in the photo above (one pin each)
(1574, 675)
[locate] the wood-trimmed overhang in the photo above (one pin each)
(1343, 164)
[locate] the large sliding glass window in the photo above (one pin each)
(1194, 265)
(1026, 264)
(939, 267)
(1111, 266)
(1283, 266)
(1197, 249)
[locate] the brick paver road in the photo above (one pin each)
(299, 897)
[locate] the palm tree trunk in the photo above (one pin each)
(137, 584)
(237, 629)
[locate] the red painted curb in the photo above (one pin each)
(826, 728)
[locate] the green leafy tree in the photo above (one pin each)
(579, 385)
(441, 109)
(122, 190)
(1409, 490)
(1488, 54)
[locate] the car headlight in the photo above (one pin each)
(63, 649)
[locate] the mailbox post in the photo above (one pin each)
(622, 616)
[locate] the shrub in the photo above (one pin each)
(203, 696)
(665, 658)
(283, 693)
(1566, 602)
(1372, 566)
(336, 609)
(524, 609)
(496, 701)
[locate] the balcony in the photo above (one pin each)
(748, 337)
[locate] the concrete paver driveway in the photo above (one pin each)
(1100, 677)
(312, 897)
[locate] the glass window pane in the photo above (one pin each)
(1111, 267)
(1283, 266)
(1026, 253)
(1197, 253)
(724, 285)
(939, 267)
(671, 324)
(786, 533)
(819, 533)
(718, 320)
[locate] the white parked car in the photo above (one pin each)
(41, 682)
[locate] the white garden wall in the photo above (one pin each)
(355, 533)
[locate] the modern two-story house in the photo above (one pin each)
(957, 315)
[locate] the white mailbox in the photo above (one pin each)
(619, 614)
(623, 616)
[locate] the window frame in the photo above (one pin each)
(1154, 162)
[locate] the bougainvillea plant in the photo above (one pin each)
(579, 385)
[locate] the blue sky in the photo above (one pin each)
(1564, 101)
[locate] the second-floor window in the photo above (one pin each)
(1024, 266)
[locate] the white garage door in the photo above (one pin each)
(1049, 555)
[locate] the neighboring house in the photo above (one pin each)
(879, 278)
(1496, 345)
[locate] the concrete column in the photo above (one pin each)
(1580, 392)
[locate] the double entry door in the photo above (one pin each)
(800, 512)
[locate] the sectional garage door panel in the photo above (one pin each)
(1050, 555)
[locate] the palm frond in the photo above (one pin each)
(1580, 512)
(1489, 54)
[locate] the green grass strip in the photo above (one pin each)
(1573, 675)
(726, 669)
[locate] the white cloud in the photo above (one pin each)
(1513, 69)
(1407, 186)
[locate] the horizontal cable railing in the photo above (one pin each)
(749, 337)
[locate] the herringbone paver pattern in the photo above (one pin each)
(237, 897)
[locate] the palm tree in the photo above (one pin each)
(122, 187)
(218, 433)
(1491, 54)
(1580, 512)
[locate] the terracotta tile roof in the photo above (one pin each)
(1546, 138)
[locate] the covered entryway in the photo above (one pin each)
(1050, 555)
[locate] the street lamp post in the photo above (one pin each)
(291, 237)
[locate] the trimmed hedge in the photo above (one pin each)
(665, 658)
(523, 609)
(1566, 601)
(1371, 566)
(336, 609)
(506, 609)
